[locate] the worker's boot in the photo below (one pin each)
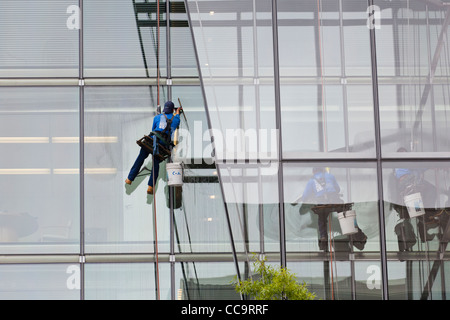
(323, 243)
(150, 190)
(128, 181)
(423, 234)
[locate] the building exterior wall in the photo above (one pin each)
(271, 90)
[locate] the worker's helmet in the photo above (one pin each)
(168, 107)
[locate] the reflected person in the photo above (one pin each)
(322, 190)
(409, 181)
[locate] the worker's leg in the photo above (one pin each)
(155, 172)
(323, 233)
(143, 154)
(323, 219)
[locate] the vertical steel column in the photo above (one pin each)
(258, 126)
(376, 104)
(276, 69)
(81, 145)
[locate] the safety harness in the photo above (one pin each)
(159, 147)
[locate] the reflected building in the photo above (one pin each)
(271, 89)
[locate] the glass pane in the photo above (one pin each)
(416, 202)
(339, 280)
(408, 281)
(126, 281)
(251, 195)
(417, 227)
(40, 282)
(112, 40)
(194, 143)
(182, 55)
(235, 54)
(39, 142)
(413, 59)
(238, 39)
(325, 75)
(39, 39)
(118, 217)
(205, 281)
(318, 200)
(200, 218)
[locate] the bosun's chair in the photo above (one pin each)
(147, 142)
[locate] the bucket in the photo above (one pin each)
(174, 174)
(414, 205)
(347, 221)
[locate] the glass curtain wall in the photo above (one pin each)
(354, 90)
(274, 92)
(80, 83)
(412, 42)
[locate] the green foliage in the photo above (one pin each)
(273, 283)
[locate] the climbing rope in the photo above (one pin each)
(158, 50)
(331, 256)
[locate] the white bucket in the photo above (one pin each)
(414, 204)
(347, 221)
(174, 174)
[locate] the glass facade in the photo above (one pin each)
(275, 92)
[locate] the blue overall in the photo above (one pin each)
(159, 124)
(321, 193)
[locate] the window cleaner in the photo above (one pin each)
(158, 143)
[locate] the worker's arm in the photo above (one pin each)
(176, 119)
(155, 123)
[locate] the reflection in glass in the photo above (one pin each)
(182, 54)
(251, 194)
(409, 280)
(200, 228)
(205, 281)
(125, 281)
(326, 97)
(416, 202)
(340, 280)
(413, 47)
(319, 198)
(342, 126)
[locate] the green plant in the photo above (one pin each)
(273, 283)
